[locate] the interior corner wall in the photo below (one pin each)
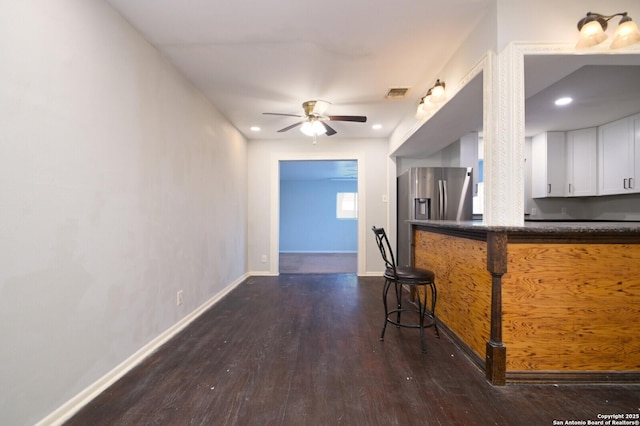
(120, 184)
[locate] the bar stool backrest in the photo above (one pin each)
(385, 249)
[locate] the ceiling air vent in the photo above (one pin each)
(397, 92)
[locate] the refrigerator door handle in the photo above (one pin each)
(439, 200)
(442, 197)
(465, 188)
(445, 198)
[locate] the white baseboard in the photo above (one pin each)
(371, 274)
(263, 274)
(318, 252)
(68, 409)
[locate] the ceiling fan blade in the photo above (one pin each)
(358, 118)
(290, 127)
(330, 130)
(286, 115)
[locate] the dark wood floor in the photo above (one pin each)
(303, 349)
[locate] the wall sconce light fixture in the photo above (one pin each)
(437, 93)
(593, 26)
(434, 96)
(424, 107)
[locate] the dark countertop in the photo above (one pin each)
(538, 227)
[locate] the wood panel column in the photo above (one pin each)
(496, 352)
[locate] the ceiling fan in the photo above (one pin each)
(315, 123)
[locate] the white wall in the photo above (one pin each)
(373, 172)
(119, 185)
(552, 20)
(450, 156)
(610, 207)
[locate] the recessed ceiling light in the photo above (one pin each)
(376, 126)
(563, 101)
(255, 128)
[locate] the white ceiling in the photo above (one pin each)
(250, 57)
(603, 88)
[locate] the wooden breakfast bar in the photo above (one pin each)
(547, 302)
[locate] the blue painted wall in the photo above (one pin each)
(308, 222)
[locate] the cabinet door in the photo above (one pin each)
(582, 150)
(548, 165)
(634, 185)
(469, 157)
(615, 157)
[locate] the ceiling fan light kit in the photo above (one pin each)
(313, 128)
(314, 123)
(593, 26)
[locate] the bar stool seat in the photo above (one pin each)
(409, 274)
(420, 281)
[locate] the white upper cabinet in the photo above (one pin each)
(635, 183)
(618, 156)
(602, 160)
(548, 165)
(582, 151)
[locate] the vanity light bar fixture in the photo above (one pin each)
(593, 26)
(434, 96)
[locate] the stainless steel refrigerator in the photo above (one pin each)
(431, 193)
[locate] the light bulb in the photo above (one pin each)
(420, 112)
(318, 128)
(591, 34)
(626, 34)
(307, 128)
(312, 128)
(437, 93)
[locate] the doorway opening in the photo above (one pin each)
(318, 229)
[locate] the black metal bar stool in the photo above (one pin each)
(415, 278)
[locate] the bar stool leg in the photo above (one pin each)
(422, 308)
(434, 296)
(398, 301)
(385, 290)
